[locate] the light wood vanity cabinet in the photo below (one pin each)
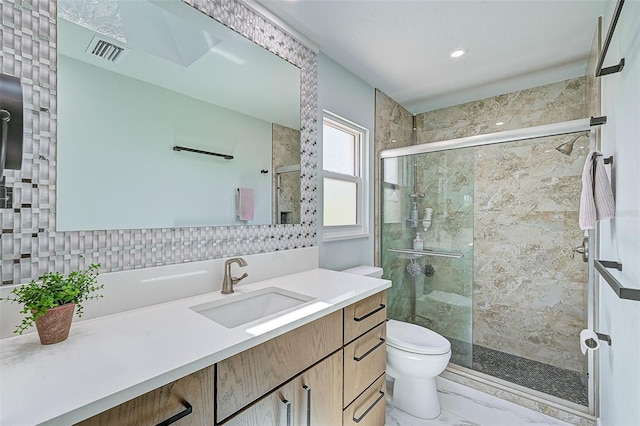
(365, 358)
(247, 376)
(347, 354)
(326, 373)
(167, 402)
(312, 398)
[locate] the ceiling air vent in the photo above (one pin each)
(104, 49)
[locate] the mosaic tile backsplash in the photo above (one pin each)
(29, 243)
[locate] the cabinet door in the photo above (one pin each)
(174, 399)
(319, 394)
(276, 408)
(247, 376)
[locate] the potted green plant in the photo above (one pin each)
(50, 302)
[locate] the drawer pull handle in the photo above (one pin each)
(188, 410)
(360, 358)
(288, 405)
(308, 390)
(378, 309)
(359, 419)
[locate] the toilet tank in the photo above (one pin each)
(366, 270)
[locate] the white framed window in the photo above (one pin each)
(344, 184)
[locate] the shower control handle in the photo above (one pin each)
(582, 249)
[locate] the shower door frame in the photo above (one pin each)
(554, 129)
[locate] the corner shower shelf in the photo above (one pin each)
(622, 292)
(427, 252)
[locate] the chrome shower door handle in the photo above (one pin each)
(582, 249)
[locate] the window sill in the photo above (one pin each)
(327, 238)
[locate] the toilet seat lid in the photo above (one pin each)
(416, 339)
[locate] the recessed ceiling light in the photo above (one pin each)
(457, 53)
(499, 123)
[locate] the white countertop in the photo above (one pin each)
(112, 359)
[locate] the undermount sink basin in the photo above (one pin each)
(244, 308)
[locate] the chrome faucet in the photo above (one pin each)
(228, 282)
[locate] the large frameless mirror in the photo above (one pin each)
(140, 80)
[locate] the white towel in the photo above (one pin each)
(596, 201)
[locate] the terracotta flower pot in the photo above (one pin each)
(54, 326)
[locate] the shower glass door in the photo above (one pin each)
(513, 299)
(431, 195)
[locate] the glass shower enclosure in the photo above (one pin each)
(496, 274)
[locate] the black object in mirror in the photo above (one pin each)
(11, 126)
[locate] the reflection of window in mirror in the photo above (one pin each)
(344, 181)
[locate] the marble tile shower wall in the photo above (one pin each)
(501, 293)
(29, 243)
(393, 125)
(447, 180)
(528, 295)
(286, 152)
(551, 103)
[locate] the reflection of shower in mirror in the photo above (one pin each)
(287, 207)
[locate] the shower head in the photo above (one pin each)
(567, 147)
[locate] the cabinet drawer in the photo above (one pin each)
(364, 315)
(364, 361)
(165, 402)
(245, 377)
(369, 408)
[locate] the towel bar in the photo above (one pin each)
(612, 27)
(622, 292)
(427, 252)
(199, 151)
(608, 160)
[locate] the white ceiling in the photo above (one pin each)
(402, 47)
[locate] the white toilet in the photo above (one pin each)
(415, 356)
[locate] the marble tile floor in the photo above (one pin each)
(464, 406)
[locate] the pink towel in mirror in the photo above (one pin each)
(245, 203)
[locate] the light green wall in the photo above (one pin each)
(344, 94)
(620, 237)
(116, 164)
